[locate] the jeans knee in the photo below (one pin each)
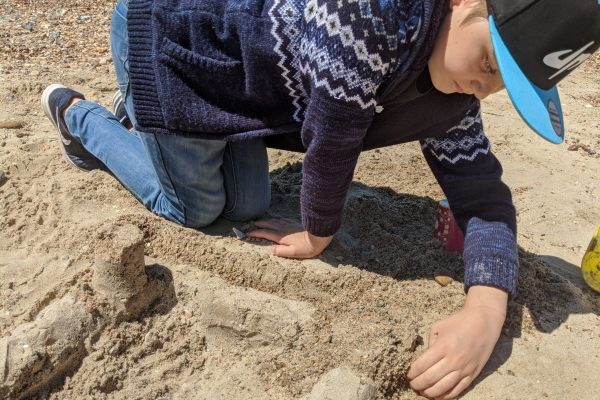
(249, 210)
(191, 217)
(202, 218)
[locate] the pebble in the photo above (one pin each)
(443, 280)
(2, 176)
(54, 35)
(343, 383)
(29, 25)
(417, 341)
(83, 18)
(11, 124)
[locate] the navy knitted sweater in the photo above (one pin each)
(232, 69)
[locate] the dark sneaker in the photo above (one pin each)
(118, 105)
(55, 99)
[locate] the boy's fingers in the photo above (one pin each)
(285, 251)
(432, 376)
(462, 385)
(269, 234)
(428, 359)
(267, 223)
(279, 224)
(443, 385)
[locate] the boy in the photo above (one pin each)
(208, 85)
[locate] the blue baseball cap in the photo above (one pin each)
(537, 43)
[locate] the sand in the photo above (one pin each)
(103, 300)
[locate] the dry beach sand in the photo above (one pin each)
(100, 299)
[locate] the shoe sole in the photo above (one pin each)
(116, 101)
(117, 98)
(48, 112)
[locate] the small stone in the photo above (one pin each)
(82, 19)
(2, 177)
(29, 25)
(416, 342)
(343, 383)
(11, 124)
(239, 234)
(443, 280)
(54, 35)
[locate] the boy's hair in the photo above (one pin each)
(479, 11)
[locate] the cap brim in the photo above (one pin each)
(539, 108)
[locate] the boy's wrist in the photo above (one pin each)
(318, 243)
(488, 297)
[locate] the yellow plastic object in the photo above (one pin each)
(590, 265)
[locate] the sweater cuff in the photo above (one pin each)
(320, 227)
(490, 255)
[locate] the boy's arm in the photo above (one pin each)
(470, 176)
(332, 133)
(342, 58)
(460, 345)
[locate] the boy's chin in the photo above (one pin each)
(440, 84)
(443, 87)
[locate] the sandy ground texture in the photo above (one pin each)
(100, 299)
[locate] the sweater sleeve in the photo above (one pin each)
(345, 53)
(470, 176)
(332, 134)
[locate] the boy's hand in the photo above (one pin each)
(291, 238)
(460, 345)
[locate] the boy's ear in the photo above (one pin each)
(454, 3)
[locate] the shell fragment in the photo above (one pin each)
(239, 234)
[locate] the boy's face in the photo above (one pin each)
(463, 58)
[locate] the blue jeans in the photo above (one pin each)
(187, 180)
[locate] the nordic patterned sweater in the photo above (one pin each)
(233, 69)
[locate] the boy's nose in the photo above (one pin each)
(481, 90)
(477, 88)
